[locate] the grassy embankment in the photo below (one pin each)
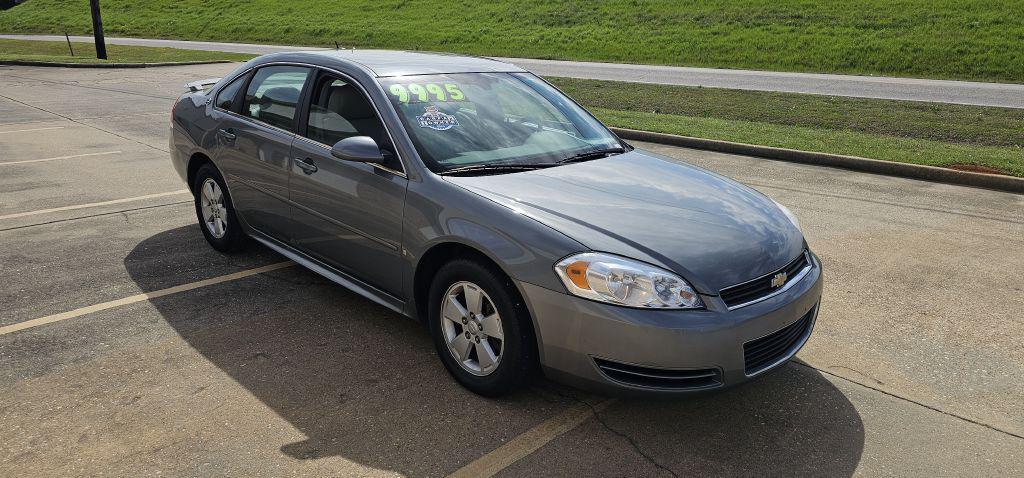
(905, 131)
(912, 132)
(970, 39)
(957, 39)
(86, 53)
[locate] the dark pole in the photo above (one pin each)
(97, 30)
(66, 37)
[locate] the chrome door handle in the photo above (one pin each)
(227, 134)
(306, 165)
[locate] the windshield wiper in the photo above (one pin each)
(508, 168)
(496, 168)
(594, 154)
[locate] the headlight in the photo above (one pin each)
(622, 281)
(788, 213)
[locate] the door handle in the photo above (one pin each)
(227, 134)
(306, 165)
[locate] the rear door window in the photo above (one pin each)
(273, 95)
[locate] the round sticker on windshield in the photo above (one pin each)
(434, 119)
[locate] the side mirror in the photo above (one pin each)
(358, 148)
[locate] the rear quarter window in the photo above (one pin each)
(226, 96)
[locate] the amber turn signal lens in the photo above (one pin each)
(577, 272)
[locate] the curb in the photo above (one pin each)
(889, 168)
(108, 65)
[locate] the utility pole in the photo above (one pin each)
(97, 30)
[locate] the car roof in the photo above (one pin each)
(383, 63)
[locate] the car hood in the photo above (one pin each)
(710, 229)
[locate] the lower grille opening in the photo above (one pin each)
(659, 377)
(764, 352)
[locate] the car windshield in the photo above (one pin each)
(504, 120)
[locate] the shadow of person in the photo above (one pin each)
(364, 383)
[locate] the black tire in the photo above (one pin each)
(233, 238)
(518, 356)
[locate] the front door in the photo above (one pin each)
(255, 144)
(347, 214)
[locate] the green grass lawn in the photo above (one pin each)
(904, 131)
(86, 53)
(960, 39)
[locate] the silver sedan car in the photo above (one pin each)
(473, 196)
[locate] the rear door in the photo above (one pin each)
(254, 144)
(347, 214)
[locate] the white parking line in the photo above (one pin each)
(93, 204)
(529, 442)
(49, 319)
(59, 157)
(33, 129)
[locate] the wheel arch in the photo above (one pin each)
(435, 257)
(196, 161)
(439, 254)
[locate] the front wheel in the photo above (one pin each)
(481, 330)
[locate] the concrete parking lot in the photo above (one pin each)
(916, 367)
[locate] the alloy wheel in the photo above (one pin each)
(215, 214)
(472, 328)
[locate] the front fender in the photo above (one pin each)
(438, 212)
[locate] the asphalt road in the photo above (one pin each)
(914, 89)
(916, 367)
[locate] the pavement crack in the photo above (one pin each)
(100, 88)
(596, 411)
(910, 400)
(87, 125)
(94, 215)
(636, 446)
(858, 372)
(888, 203)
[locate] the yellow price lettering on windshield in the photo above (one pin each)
(400, 92)
(454, 91)
(437, 91)
(417, 93)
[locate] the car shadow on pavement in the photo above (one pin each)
(363, 383)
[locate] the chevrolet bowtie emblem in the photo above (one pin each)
(778, 280)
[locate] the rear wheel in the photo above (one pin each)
(480, 328)
(215, 211)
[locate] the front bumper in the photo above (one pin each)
(576, 334)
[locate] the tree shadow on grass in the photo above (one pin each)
(364, 383)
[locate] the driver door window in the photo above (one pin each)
(339, 110)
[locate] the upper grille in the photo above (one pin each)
(659, 377)
(766, 351)
(761, 288)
